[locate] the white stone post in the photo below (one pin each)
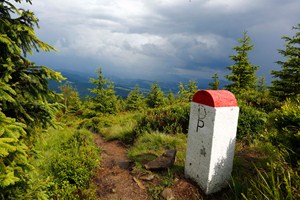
(211, 139)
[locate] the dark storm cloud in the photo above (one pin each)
(136, 38)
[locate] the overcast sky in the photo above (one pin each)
(162, 39)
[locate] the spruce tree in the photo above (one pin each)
(182, 93)
(170, 98)
(216, 82)
(105, 100)
(25, 99)
(261, 83)
(155, 96)
(135, 100)
(287, 80)
(191, 89)
(242, 72)
(186, 92)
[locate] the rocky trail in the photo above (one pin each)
(115, 179)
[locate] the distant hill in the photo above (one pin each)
(81, 81)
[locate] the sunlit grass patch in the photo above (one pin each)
(156, 143)
(121, 132)
(121, 127)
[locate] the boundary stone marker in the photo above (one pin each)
(211, 139)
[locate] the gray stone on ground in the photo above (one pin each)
(125, 164)
(162, 162)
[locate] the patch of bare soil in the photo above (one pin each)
(112, 181)
(115, 180)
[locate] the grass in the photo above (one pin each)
(113, 127)
(48, 145)
(156, 143)
(123, 132)
(273, 183)
(261, 172)
(64, 161)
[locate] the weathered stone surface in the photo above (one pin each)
(125, 164)
(162, 162)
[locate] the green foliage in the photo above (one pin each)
(170, 98)
(135, 100)
(74, 162)
(172, 119)
(13, 156)
(123, 132)
(155, 96)
(216, 82)
(26, 101)
(157, 143)
(182, 93)
(278, 182)
(287, 122)
(261, 84)
(287, 80)
(191, 89)
(105, 100)
(67, 160)
(95, 123)
(71, 98)
(251, 122)
(186, 92)
(17, 34)
(28, 81)
(260, 100)
(120, 127)
(64, 190)
(243, 72)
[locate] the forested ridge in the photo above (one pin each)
(47, 148)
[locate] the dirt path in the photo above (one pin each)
(112, 181)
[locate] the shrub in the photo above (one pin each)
(287, 123)
(94, 124)
(171, 119)
(76, 159)
(260, 100)
(251, 122)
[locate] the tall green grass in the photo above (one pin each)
(64, 162)
(274, 183)
(260, 171)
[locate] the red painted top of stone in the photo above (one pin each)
(215, 98)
